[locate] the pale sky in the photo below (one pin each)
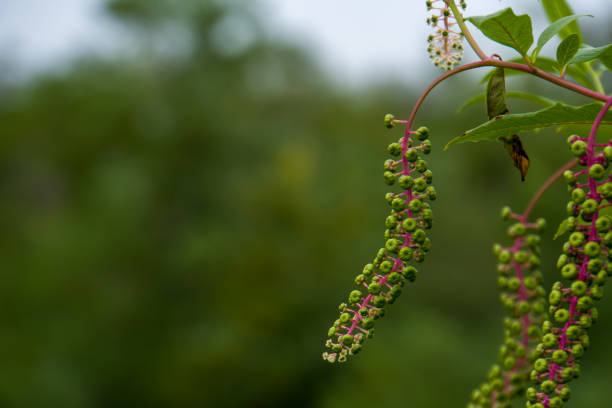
(354, 39)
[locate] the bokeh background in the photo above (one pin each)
(187, 189)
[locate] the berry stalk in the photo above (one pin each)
(382, 280)
(585, 266)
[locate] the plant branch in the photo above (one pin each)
(536, 197)
(493, 62)
(465, 30)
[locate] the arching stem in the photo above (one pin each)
(494, 62)
(536, 197)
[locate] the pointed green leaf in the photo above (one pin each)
(506, 28)
(567, 49)
(563, 228)
(556, 9)
(557, 115)
(588, 53)
(550, 31)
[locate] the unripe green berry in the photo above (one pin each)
(389, 178)
(569, 271)
(420, 184)
(389, 121)
(548, 386)
(597, 172)
(569, 177)
(578, 288)
(355, 295)
(410, 273)
(606, 190)
(506, 212)
(409, 224)
(419, 236)
(392, 245)
(603, 223)
(405, 182)
(422, 133)
(571, 139)
(555, 402)
(561, 316)
(421, 166)
(549, 340)
(559, 356)
(398, 204)
(578, 195)
(412, 155)
(597, 292)
(394, 149)
(347, 339)
(405, 254)
(589, 206)
(579, 148)
(592, 249)
(607, 151)
(532, 394)
(577, 350)
(565, 393)
(520, 257)
(540, 365)
(554, 298)
(576, 239)
(379, 301)
(415, 205)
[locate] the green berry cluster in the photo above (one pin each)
(406, 241)
(445, 46)
(523, 297)
(585, 267)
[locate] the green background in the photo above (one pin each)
(178, 228)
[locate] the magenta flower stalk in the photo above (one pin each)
(381, 281)
(584, 266)
(523, 298)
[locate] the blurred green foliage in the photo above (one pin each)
(180, 224)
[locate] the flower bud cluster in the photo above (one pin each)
(585, 267)
(406, 241)
(523, 297)
(446, 43)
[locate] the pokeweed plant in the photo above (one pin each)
(545, 332)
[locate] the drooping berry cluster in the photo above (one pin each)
(381, 281)
(446, 43)
(523, 298)
(584, 267)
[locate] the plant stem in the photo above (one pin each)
(493, 62)
(595, 77)
(464, 29)
(545, 187)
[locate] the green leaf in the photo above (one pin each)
(567, 49)
(550, 31)
(588, 53)
(506, 28)
(557, 115)
(496, 94)
(563, 228)
(481, 98)
(557, 9)
(549, 65)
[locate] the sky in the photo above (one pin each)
(354, 40)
